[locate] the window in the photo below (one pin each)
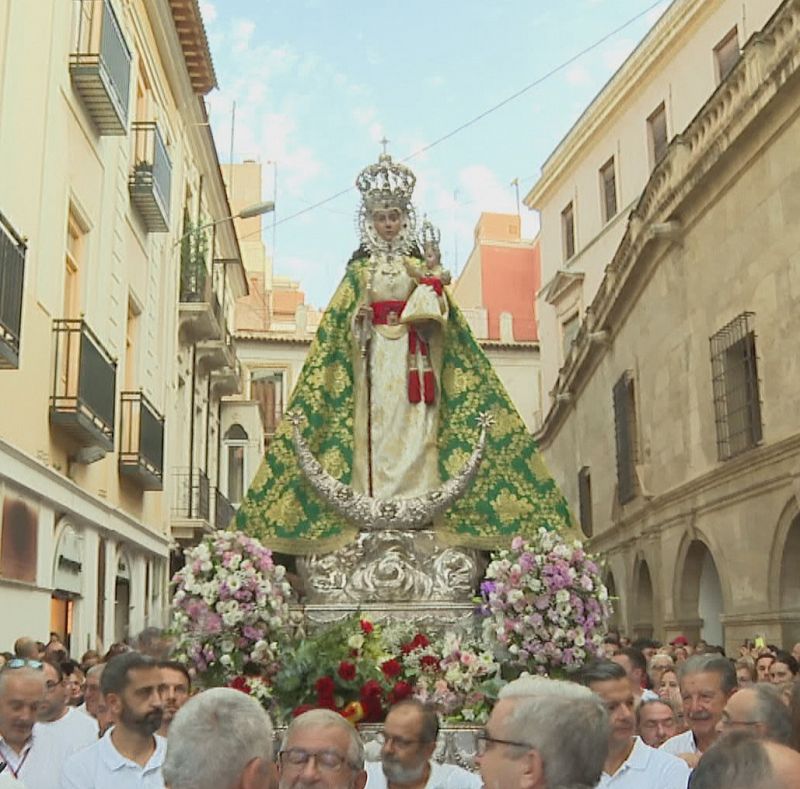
(73, 275)
(266, 388)
(585, 500)
(569, 331)
(726, 54)
(734, 371)
(568, 231)
(626, 437)
(608, 190)
(236, 441)
(657, 134)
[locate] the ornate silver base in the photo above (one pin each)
(393, 574)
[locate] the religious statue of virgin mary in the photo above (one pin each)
(392, 407)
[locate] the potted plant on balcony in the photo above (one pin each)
(194, 257)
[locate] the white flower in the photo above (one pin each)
(562, 596)
(226, 660)
(356, 641)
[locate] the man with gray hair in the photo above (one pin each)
(220, 739)
(707, 682)
(543, 734)
(760, 710)
(630, 763)
(321, 749)
(741, 761)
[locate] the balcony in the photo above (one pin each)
(141, 453)
(200, 312)
(216, 355)
(100, 67)
(228, 380)
(12, 274)
(224, 511)
(84, 386)
(190, 504)
(150, 180)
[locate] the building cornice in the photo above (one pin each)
(44, 484)
(769, 61)
(266, 337)
(194, 43)
(520, 345)
(665, 35)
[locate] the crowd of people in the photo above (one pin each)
(645, 715)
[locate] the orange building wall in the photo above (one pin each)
(510, 278)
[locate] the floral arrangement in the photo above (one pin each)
(229, 608)
(545, 605)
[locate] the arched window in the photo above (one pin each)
(236, 441)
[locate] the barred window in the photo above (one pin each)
(626, 437)
(585, 500)
(568, 231)
(608, 190)
(734, 373)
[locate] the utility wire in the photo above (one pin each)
(538, 81)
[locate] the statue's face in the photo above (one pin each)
(387, 222)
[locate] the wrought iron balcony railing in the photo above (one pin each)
(12, 275)
(151, 177)
(100, 66)
(224, 511)
(84, 385)
(200, 309)
(190, 495)
(141, 452)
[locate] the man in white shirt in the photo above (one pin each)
(60, 732)
(707, 682)
(21, 692)
(409, 740)
(91, 691)
(630, 764)
(130, 754)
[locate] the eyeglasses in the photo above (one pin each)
(382, 738)
(484, 741)
(23, 663)
(325, 760)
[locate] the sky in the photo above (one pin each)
(318, 83)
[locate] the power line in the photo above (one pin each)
(538, 81)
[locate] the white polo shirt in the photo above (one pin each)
(443, 776)
(681, 743)
(102, 766)
(7, 781)
(648, 768)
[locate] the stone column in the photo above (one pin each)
(85, 615)
(108, 604)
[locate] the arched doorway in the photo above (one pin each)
(643, 614)
(790, 583)
(67, 582)
(701, 597)
(236, 441)
(122, 598)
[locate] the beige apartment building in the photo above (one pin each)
(115, 312)
(673, 428)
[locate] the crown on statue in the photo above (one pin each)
(429, 234)
(386, 184)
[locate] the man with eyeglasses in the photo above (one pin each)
(407, 745)
(630, 764)
(22, 686)
(759, 710)
(321, 750)
(543, 734)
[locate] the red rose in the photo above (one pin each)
(347, 671)
(420, 641)
(391, 668)
(367, 626)
(240, 683)
(400, 691)
(371, 689)
(324, 687)
(429, 661)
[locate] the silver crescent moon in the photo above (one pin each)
(372, 514)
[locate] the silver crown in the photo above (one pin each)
(386, 184)
(429, 234)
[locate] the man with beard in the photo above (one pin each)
(630, 764)
(707, 682)
(176, 685)
(131, 753)
(409, 739)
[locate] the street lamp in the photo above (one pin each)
(257, 209)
